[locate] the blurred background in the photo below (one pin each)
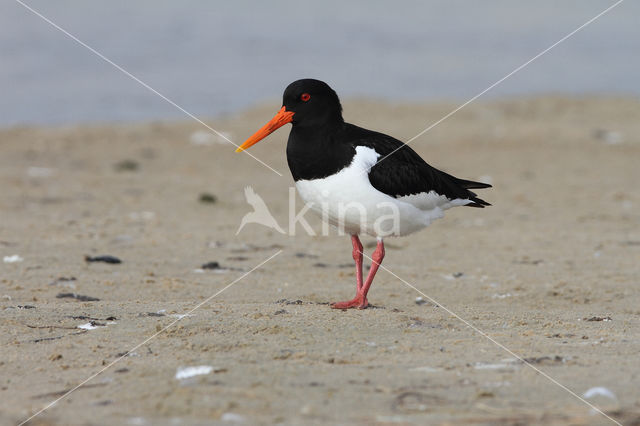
(216, 58)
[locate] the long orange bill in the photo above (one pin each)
(281, 118)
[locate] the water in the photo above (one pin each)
(215, 58)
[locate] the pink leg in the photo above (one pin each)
(377, 257)
(357, 256)
(360, 301)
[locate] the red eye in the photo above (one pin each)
(305, 97)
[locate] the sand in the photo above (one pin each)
(550, 272)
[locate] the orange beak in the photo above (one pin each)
(281, 118)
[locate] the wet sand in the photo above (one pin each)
(551, 271)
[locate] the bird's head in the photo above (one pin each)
(305, 103)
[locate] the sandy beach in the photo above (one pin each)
(550, 272)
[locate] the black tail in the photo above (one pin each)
(469, 184)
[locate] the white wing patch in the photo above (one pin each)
(431, 200)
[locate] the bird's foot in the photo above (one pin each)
(359, 302)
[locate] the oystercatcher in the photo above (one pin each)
(360, 180)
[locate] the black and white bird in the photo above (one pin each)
(362, 181)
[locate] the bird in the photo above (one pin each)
(260, 214)
(362, 181)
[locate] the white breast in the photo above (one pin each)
(349, 201)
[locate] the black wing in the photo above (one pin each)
(404, 172)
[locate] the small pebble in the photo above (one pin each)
(211, 265)
(127, 166)
(104, 258)
(232, 418)
(79, 297)
(207, 198)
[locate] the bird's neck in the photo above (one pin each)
(315, 152)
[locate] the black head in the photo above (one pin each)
(306, 104)
(313, 103)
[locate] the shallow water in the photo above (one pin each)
(214, 58)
